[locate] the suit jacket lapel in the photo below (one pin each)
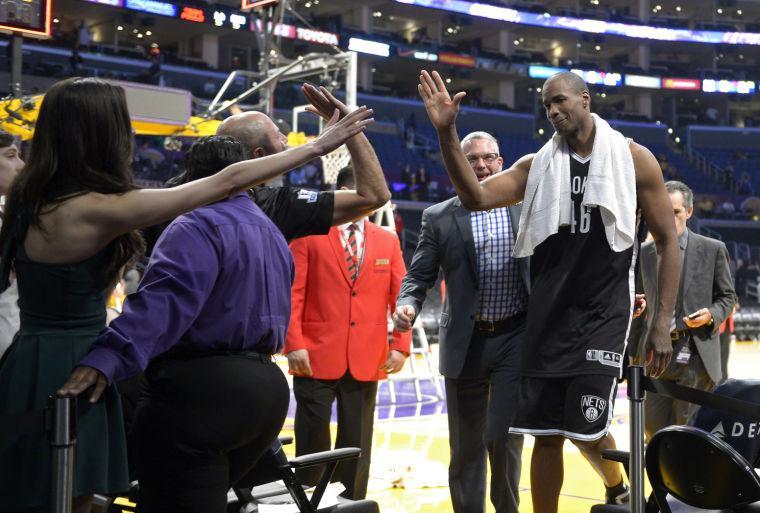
(340, 252)
(462, 217)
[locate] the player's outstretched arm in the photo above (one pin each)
(371, 190)
(502, 189)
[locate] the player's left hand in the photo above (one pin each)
(704, 318)
(639, 305)
(394, 362)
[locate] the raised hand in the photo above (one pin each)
(323, 103)
(441, 108)
(337, 132)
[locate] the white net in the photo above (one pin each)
(333, 162)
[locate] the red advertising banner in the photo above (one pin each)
(686, 84)
(456, 59)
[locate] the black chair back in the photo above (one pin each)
(699, 469)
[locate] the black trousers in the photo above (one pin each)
(356, 414)
(201, 424)
(481, 404)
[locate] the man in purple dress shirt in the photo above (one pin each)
(212, 308)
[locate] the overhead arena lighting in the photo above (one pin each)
(152, 7)
(371, 47)
(599, 77)
(728, 86)
(643, 81)
(543, 71)
(590, 26)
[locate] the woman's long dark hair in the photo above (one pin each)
(82, 143)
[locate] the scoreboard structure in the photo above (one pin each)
(30, 18)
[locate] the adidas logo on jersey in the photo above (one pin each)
(609, 358)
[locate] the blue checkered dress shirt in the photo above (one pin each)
(501, 293)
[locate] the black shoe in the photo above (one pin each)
(618, 495)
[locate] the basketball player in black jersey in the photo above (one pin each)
(581, 300)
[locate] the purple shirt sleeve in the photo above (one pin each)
(179, 278)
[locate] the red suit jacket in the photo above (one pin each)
(343, 325)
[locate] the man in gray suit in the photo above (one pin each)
(705, 299)
(481, 333)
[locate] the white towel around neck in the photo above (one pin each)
(611, 186)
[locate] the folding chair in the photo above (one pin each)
(258, 484)
(700, 470)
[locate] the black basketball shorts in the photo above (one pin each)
(577, 407)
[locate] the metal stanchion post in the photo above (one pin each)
(636, 463)
(62, 442)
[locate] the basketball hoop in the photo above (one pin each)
(333, 162)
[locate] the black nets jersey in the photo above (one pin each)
(581, 296)
(296, 212)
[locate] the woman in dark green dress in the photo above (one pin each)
(68, 229)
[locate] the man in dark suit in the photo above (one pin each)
(481, 333)
(705, 299)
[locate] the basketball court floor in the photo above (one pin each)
(410, 451)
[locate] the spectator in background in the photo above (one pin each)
(155, 51)
(727, 209)
(745, 185)
(84, 36)
(705, 207)
(662, 159)
(411, 126)
(750, 207)
(422, 181)
(10, 165)
(407, 176)
(728, 177)
(75, 61)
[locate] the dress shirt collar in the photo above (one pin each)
(359, 226)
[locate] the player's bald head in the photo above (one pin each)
(568, 81)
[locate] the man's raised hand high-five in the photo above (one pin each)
(441, 108)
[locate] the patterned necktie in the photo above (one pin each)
(352, 259)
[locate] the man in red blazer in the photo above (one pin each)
(337, 343)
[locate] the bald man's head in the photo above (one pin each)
(256, 131)
(567, 102)
(569, 80)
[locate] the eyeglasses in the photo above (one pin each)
(488, 158)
